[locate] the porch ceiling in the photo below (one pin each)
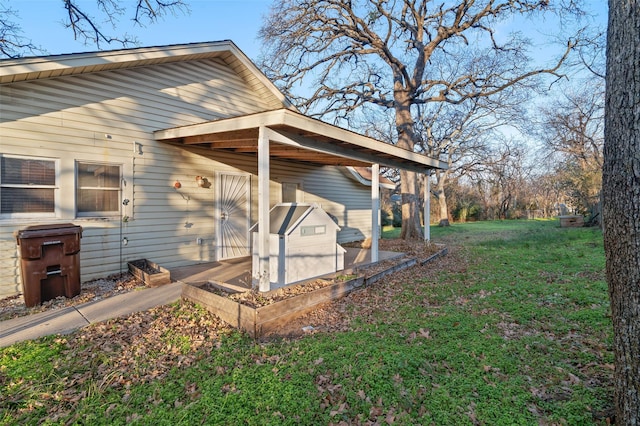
(296, 137)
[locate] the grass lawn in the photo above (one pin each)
(511, 328)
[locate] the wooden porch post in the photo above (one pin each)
(375, 210)
(427, 207)
(262, 274)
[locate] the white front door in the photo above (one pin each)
(234, 207)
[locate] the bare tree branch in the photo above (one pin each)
(12, 42)
(317, 38)
(89, 29)
(90, 25)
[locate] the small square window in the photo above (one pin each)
(98, 189)
(289, 192)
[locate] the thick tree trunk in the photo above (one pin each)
(411, 228)
(443, 208)
(621, 201)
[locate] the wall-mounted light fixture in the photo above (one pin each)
(137, 148)
(177, 184)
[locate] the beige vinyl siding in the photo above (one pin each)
(253, 81)
(138, 99)
(9, 262)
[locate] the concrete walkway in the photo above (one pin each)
(67, 320)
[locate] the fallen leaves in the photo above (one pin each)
(256, 299)
(368, 303)
(122, 352)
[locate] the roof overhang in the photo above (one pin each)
(296, 137)
(363, 176)
(52, 66)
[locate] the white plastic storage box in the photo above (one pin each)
(302, 244)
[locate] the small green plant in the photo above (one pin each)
(346, 277)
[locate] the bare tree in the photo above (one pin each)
(397, 55)
(549, 193)
(502, 180)
(464, 135)
(572, 127)
(509, 176)
(87, 22)
(621, 202)
(572, 131)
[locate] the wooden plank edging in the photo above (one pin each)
(272, 316)
(236, 314)
(434, 256)
(395, 268)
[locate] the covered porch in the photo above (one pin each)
(290, 136)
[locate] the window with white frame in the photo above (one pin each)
(98, 189)
(27, 186)
(290, 192)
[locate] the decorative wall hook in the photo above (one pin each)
(203, 182)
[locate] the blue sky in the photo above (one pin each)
(209, 20)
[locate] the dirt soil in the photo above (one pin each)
(144, 266)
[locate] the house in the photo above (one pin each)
(169, 153)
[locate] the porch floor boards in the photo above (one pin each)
(235, 274)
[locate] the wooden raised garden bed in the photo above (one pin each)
(152, 274)
(259, 321)
(262, 320)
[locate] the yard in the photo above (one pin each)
(512, 327)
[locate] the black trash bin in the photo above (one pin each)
(50, 261)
